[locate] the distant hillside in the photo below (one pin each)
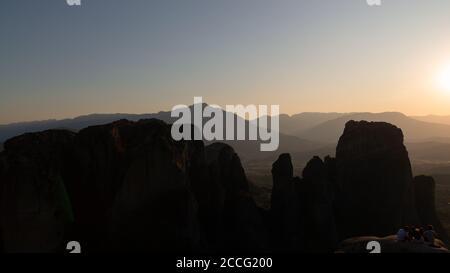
(75, 124)
(300, 133)
(414, 130)
(430, 151)
(250, 150)
(434, 119)
(298, 123)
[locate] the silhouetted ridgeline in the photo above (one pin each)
(128, 186)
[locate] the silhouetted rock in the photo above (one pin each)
(128, 186)
(35, 208)
(125, 186)
(424, 189)
(424, 192)
(302, 209)
(133, 191)
(316, 200)
(127, 183)
(233, 220)
(367, 189)
(2, 170)
(286, 227)
(374, 179)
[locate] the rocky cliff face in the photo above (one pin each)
(425, 200)
(128, 186)
(124, 186)
(287, 230)
(368, 189)
(233, 218)
(318, 205)
(137, 178)
(424, 193)
(35, 208)
(374, 177)
(302, 209)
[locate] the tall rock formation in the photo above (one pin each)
(425, 202)
(128, 186)
(233, 221)
(125, 186)
(287, 232)
(140, 188)
(374, 177)
(424, 192)
(317, 202)
(35, 208)
(302, 209)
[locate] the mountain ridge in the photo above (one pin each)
(414, 130)
(317, 127)
(248, 149)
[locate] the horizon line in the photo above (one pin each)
(165, 111)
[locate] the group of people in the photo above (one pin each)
(417, 235)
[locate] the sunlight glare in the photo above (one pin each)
(444, 79)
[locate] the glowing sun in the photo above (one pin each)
(443, 79)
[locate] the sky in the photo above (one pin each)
(143, 56)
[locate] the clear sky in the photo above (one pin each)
(140, 56)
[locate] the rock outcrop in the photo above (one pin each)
(425, 200)
(368, 189)
(374, 177)
(287, 231)
(424, 192)
(139, 186)
(124, 186)
(234, 222)
(35, 208)
(317, 202)
(128, 186)
(302, 209)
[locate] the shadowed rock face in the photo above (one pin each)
(318, 197)
(124, 186)
(368, 189)
(424, 193)
(302, 209)
(234, 221)
(128, 186)
(35, 207)
(137, 179)
(287, 231)
(375, 180)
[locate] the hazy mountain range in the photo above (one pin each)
(318, 127)
(303, 135)
(327, 127)
(434, 119)
(249, 150)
